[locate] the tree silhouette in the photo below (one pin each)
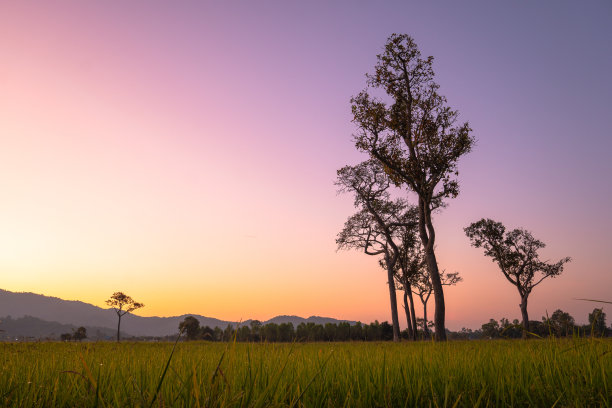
(560, 323)
(597, 322)
(375, 226)
(123, 304)
(516, 254)
(423, 288)
(413, 134)
(410, 264)
(191, 326)
(79, 334)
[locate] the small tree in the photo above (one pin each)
(410, 264)
(191, 327)
(490, 330)
(560, 323)
(423, 288)
(516, 254)
(80, 334)
(597, 322)
(123, 304)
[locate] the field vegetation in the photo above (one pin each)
(569, 372)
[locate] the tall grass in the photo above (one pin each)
(502, 373)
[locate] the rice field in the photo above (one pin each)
(501, 373)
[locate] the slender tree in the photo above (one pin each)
(123, 304)
(414, 135)
(374, 226)
(423, 288)
(410, 264)
(516, 254)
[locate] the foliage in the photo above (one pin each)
(597, 322)
(516, 254)
(80, 334)
(560, 323)
(191, 327)
(123, 303)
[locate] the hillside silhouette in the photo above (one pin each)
(67, 314)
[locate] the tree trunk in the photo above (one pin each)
(413, 316)
(118, 327)
(393, 298)
(523, 306)
(438, 292)
(427, 233)
(408, 310)
(425, 328)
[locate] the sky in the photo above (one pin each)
(185, 152)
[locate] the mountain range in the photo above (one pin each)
(34, 315)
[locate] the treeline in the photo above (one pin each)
(559, 324)
(287, 332)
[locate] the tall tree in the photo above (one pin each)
(373, 228)
(414, 135)
(516, 254)
(123, 304)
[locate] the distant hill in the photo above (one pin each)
(297, 320)
(71, 313)
(33, 327)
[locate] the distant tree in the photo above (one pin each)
(516, 254)
(286, 332)
(255, 330)
(423, 288)
(597, 322)
(123, 304)
(374, 228)
(491, 329)
(66, 337)
(357, 331)
(270, 332)
(244, 333)
(191, 327)
(560, 323)
(415, 135)
(80, 334)
(511, 330)
(217, 334)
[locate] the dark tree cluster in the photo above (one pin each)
(255, 331)
(558, 324)
(78, 334)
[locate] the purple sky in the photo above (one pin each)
(147, 144)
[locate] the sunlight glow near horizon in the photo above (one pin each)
(186, 155)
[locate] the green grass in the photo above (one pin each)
(537, 373)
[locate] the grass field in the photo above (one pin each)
(503, 373)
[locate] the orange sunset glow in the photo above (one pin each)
(187, 155)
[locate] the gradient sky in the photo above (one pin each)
(185, 152)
